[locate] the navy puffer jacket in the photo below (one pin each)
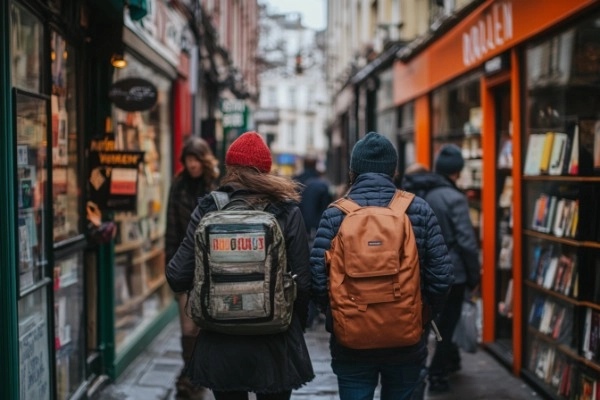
(374, 189)
(451, 208)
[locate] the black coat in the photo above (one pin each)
(452, 210)
(315, 198)
(253, 363)
(372, 189)
(183, 198)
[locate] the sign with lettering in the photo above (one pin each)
(234, 114)
(492, 29)
(133, 94)
(33, 353)
(113, 179)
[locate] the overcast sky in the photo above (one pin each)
(313, 11)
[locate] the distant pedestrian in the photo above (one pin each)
(270, 365)
(316, 197)
(197, 178)
(452, 210)
(359, 370)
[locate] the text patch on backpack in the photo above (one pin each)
(237, 247)
(374, 276)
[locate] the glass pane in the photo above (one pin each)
(33, 346)
(65, 183)
(25, 48)
(140, 288)
(31, 123)
(68, 325)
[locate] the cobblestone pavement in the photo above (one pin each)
(152, 375)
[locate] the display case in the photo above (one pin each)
(561, 221)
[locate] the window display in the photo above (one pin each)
(561, 219)
(33, 346)
(26, 49)
(68, 323)
(30, 127)
(65, 185)
(140, 285)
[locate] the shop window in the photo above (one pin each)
(26, 49)
(140, 287)
(65, 160)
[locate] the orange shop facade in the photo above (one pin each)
(516, 84)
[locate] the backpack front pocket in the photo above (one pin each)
(238, 297)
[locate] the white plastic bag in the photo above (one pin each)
(466, 335)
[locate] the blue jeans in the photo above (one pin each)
(358, 380)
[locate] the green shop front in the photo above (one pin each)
(76, 310)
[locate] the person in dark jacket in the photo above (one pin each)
(452, 210)
(315, 198)
(269, 365)
(197, 178)
(372, 166)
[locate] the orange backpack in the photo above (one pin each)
(374, 277)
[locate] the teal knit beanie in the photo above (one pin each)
(374, 153)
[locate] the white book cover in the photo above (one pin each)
(557, 156)
(534, 154)
(550, 273)
(562, 211)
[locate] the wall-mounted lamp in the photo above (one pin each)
(118, 60)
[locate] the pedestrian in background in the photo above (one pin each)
(452, 210)
(197, 178)
(315, 198)
(271, 365)
(372, 166)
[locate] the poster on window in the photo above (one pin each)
(113, 179)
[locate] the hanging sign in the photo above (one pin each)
(113, 179)
(133, 94)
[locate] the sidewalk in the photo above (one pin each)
(152, 375)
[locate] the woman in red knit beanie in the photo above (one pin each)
(270, 365)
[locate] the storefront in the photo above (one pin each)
(45, 247)
(518, 90)
(76, 310)
(142, 302)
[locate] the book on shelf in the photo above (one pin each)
(506, 196)
(573, 166)
(556, 216)
(505, 158)
(505, 307)
(533, 156)
(557, 155)
(546, 152)
(506, 252)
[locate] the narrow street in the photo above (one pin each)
(151, 376)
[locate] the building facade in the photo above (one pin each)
(292, 104)
(98, 97)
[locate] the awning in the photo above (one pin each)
(114, 8)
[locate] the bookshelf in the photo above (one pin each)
(504, 238)
(561, 220)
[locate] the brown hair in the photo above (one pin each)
(273, 187)
(199, 148)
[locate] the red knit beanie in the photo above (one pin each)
(249, 150)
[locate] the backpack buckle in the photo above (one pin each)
(397, 292)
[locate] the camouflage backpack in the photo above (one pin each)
(241, 282)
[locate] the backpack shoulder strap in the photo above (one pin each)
(345, 204)
(401, 201)
(221, 198)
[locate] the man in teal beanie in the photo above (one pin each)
(372, 166)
